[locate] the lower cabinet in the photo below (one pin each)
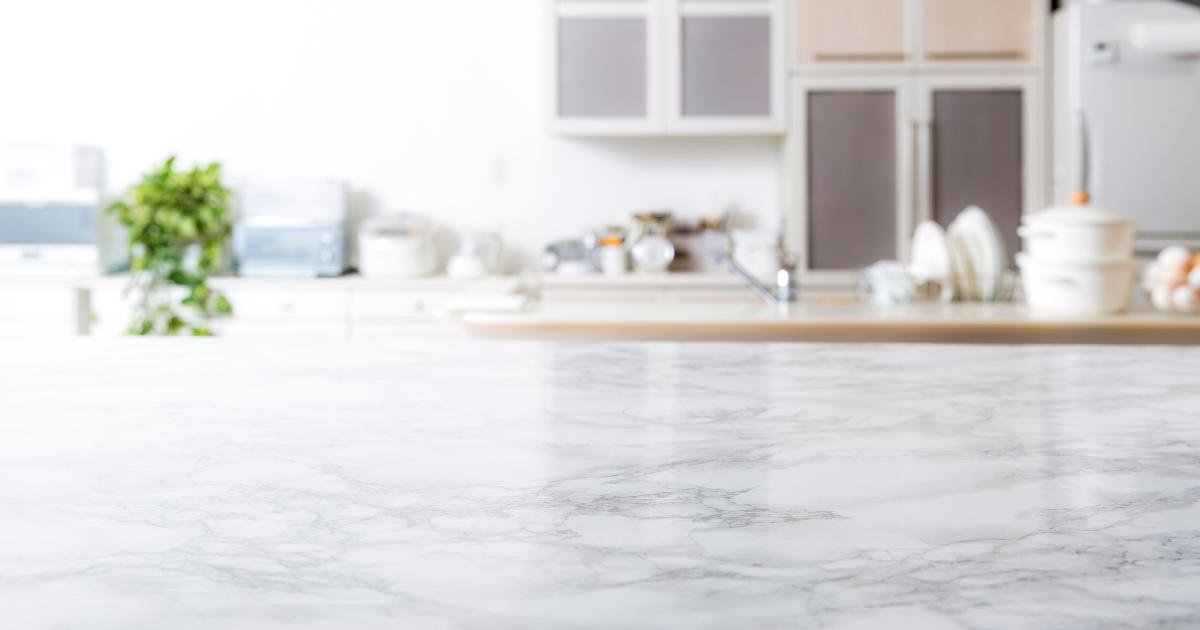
(342, 308)
(871, 156)
(49, 309)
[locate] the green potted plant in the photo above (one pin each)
(179, 225)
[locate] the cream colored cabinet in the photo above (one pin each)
(979, 30)
(852, 31)
(905, 110)
(666, 67)
(878, 35)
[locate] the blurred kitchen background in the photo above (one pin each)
(394, 164)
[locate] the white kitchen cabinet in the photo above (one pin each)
(725, 67)
(42, 309)
(666, 67)
(327, 308)
(313, 310)
(603, 66)
(850, 174)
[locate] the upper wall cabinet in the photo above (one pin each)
(852, 31)
(979, 30)
(914, 34)
(666, 67)
(604, 72)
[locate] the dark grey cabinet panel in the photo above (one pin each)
(602, 67)
(851, 178)
(978, 157)
(726, 66)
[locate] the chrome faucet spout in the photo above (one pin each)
(785, 286)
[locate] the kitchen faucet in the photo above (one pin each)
(785, 279)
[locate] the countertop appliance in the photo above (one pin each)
(1127, 90)
(291, 228)
(397, 246)
(49, 208)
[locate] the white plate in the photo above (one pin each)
(994, 253)
(960, 260)
(930, 254)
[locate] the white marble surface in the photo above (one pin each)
(207, 484)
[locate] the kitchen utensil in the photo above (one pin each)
(651, 247)
(477, 255)
(614, 260)
(930, 253)
(568, 257)
(1082, 288)
(653, 253)
(887, 283)
(397, 246)
(1078, 234)
(756, 251)
(989, 257)
(961, 260)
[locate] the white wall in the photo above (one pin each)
(430, 105)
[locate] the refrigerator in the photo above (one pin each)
(1126, 102)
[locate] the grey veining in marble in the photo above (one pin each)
(214, 484)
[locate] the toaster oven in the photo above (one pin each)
(289, 247)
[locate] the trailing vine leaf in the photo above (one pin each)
(179, 226)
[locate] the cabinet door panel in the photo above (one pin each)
(978, 29)
(978, 157)
(851, 178)
(602, 67)
(726, 66)
(850, 31)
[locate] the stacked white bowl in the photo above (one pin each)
(1078, 259)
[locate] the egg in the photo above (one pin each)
(1150, 277)
(1170, 275)
(1194, 278)
(1162, 297)
(1175, 256)
(1185, 300)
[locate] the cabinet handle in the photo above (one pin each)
(990, 55)
(865, 57)
(923, 169)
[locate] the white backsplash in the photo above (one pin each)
(433, 107)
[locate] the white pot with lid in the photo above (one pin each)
(1078, 234)
(1077, 288)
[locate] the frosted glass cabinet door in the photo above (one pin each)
(979, 30)
(726, 66)
(978, 157)
(850, 178)
(602, 67)
(851, 31)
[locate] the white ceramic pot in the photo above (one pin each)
(1078, 234)
(1087, 288)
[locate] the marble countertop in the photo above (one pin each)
(206, 484)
